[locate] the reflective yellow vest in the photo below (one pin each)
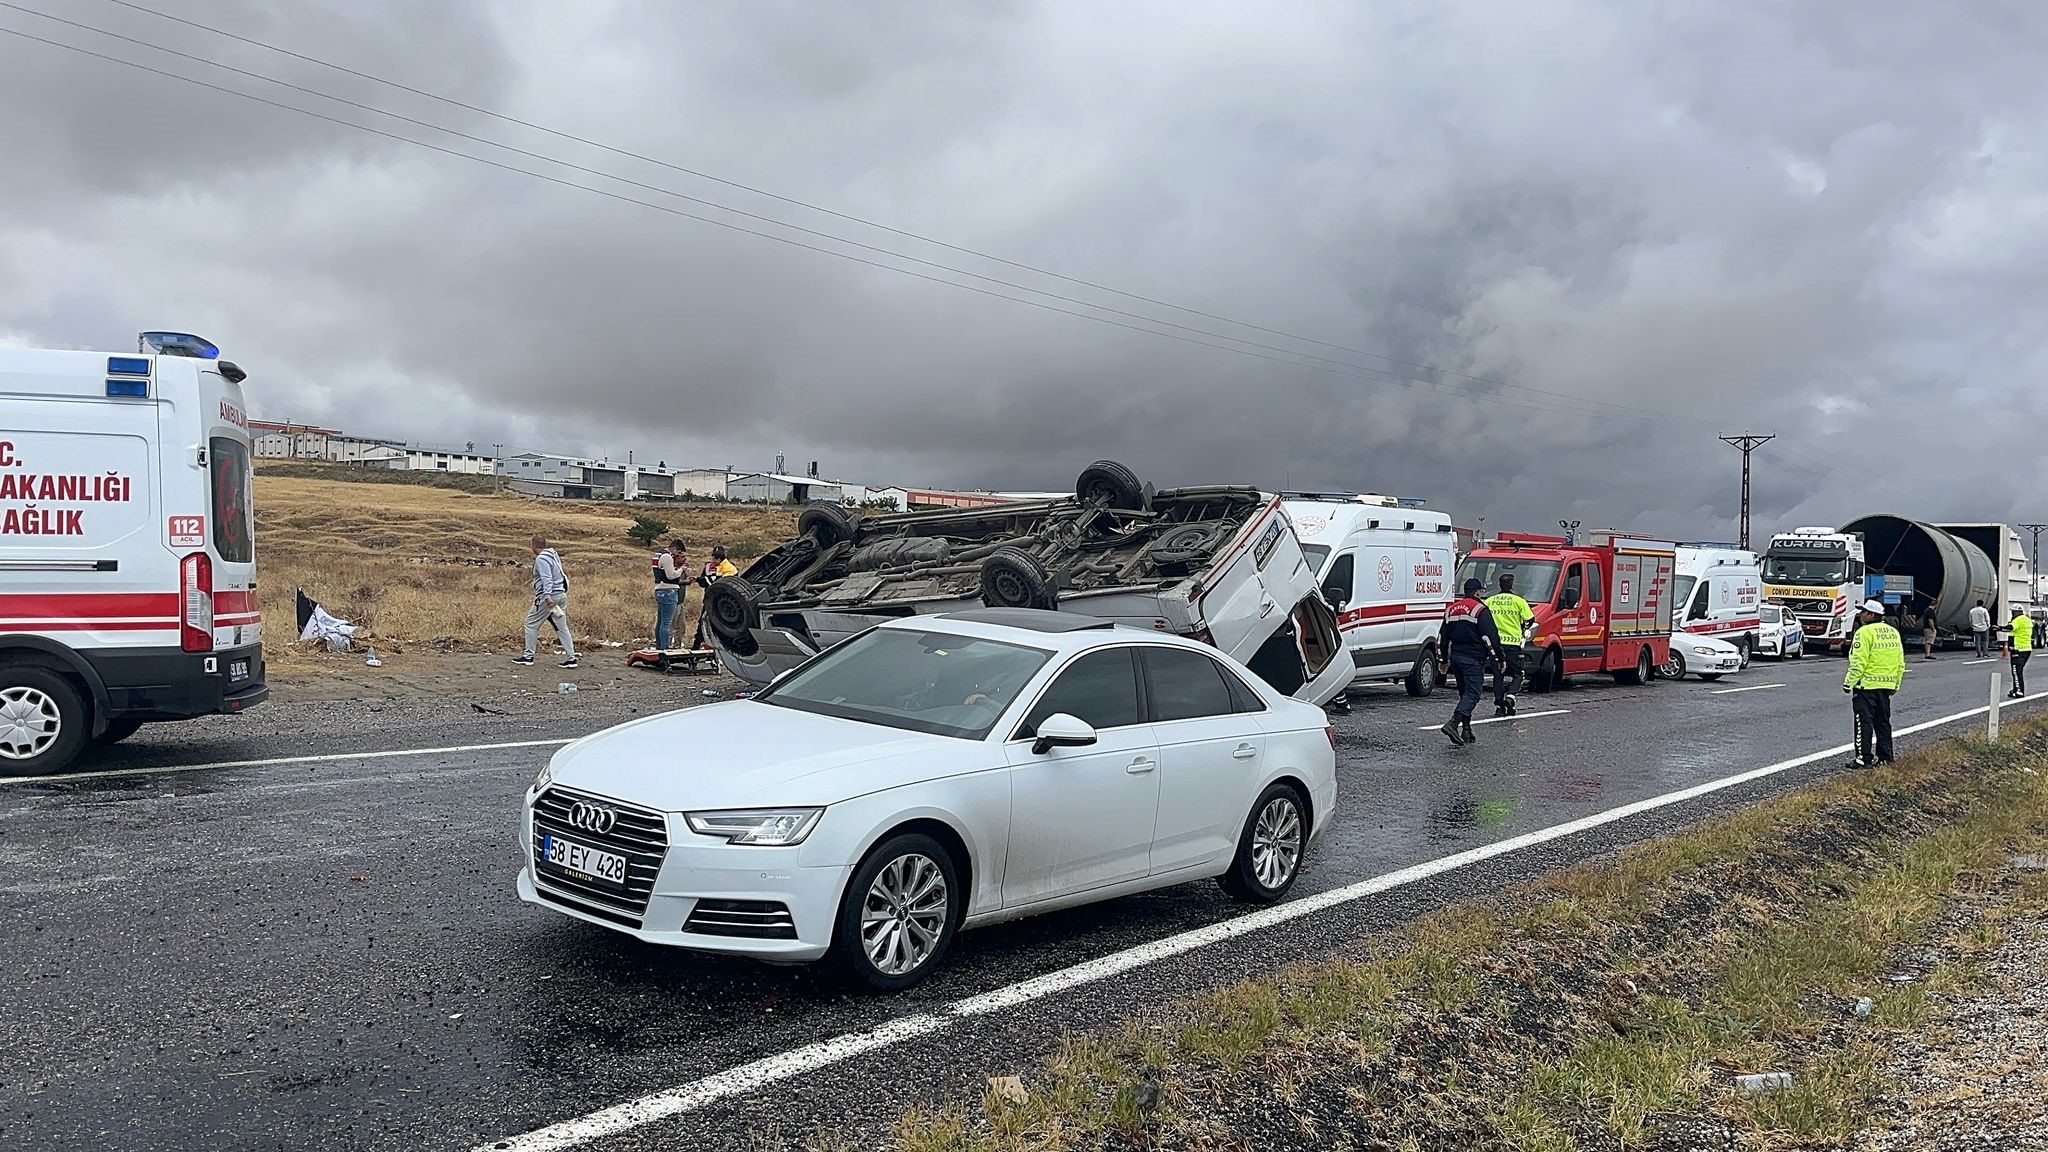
(2022, 634)
(1510, 613)
(1877, 658)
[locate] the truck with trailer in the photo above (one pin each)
(1817, 573)
(1603, 606)
(127, 551)
(1951, 566)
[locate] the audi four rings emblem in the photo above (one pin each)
(592, 817)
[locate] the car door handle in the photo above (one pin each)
(1140, 766)
(1245, 752)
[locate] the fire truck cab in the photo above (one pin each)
(127, 551)
(1601, 606)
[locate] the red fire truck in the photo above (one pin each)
(1601, 606)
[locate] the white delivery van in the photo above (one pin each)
(1220, 564)
(1387, 570)
(127, 563)
(1719, 591)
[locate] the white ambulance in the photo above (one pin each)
(1387, 568)
(127, 562)
(1719, 590)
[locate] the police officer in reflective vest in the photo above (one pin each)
(1467, 637)
(1877, 667)
(1511, 614)
(2022, 647)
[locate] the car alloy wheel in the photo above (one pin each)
(30, 722)
(903, 917)
(1674, 667)
(898, 913)
(1276, 842)
(1269, 850)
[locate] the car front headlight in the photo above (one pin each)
(546, 776)
(766, 827)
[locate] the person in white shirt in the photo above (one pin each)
(1980, 629)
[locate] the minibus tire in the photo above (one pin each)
(40, 691)
(1112, 484)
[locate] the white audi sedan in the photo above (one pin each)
(932, 774)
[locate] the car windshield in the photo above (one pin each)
(936, 682)
(1535, 580)
(1806, 569)
(1317, 554)
(1772, 614)
(1681, 590)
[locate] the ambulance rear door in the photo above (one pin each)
(209, 512)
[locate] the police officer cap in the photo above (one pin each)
(1473, 586)
(1874, 607)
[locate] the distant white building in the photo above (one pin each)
(780, 488)
(429, 460)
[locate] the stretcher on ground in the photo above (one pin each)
(674, 659)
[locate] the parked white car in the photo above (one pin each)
(1703, 656)
(1781, 635)
(932, 774)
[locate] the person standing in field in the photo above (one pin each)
(1927, 631)
(1877, 669)
(1980, 629)
(671, 575)
(550, 603)
(718, 569)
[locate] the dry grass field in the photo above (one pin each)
(424, 566)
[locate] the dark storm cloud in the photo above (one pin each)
(1801, 219)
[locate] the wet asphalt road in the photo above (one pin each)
(328, 954)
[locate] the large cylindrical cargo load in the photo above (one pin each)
(1947, 568)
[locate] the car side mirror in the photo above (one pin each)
(1061, 730)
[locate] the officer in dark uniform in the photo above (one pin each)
(1468, 637)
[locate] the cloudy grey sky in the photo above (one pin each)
(1611, 230)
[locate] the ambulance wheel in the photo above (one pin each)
(43, 723)
(1111, 484)
(1013, 578)
(117, 731)
(1422, 679)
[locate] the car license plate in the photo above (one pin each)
(584, 860)
(238, 671)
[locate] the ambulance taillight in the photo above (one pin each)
(195, 624)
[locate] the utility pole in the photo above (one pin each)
(1748, 444)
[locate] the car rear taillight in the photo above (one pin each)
(1331, 732)
(195, 616)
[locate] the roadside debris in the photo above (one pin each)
(1008, 1089)
(372, 661)
(1765, 1082)
(489, 711)
(1863, 1005)
(317, 624)
(565, 687)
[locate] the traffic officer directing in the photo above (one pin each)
(1467, 637)
(1511, 614)
(2022, 647)
(1877, 667)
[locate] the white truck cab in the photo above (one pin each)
(127, 550)
(1387, 568)
(1719, 592)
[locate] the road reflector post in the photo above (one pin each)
(1991, 717)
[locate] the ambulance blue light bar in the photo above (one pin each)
(177, 344)
(127, 366)
(129, 386)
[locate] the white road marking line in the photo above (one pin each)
(1986, 660)
(1747, 688)
(759, 1074)
(1497, 719)
(275, 760)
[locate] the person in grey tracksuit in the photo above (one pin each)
(550, 603)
